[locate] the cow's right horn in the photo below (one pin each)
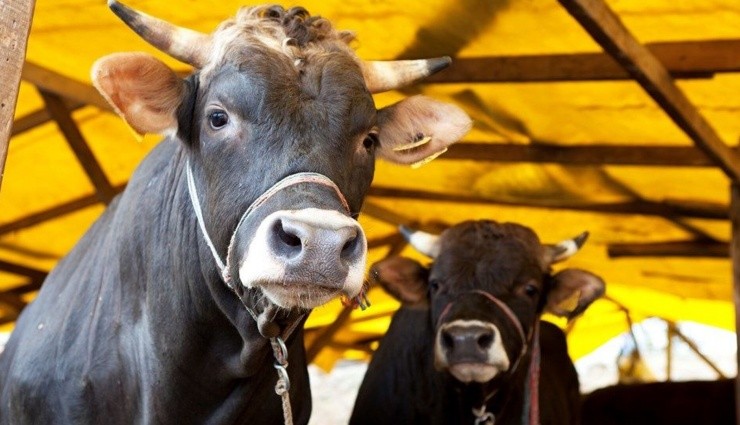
(565, 249)
(426, 243)
(382, 76)
(183, 44)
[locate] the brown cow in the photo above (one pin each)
(463, 348)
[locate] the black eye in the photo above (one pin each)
(370, 141)
(218, 119)
(531, 290)
(433, 285)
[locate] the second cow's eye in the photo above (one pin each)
(218, 119)
(531, 290)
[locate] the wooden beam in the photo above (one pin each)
(382, 241)
(47, 80)
(692, 345)
(54, 212)
(664, 209)
(606, 28)
(326, 334)
(22, 270)
(13, 301)
(670, 249)
(691, 59)
(735, 255)
(60, 114)
(36, 118)
(384, 214)
(33, 285)
(15, 25)
(593, 154)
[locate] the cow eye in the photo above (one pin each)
(370, 141)
(531, 290)
(434, 285)
(218, 119)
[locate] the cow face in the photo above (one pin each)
(488, 285)
(278, 99)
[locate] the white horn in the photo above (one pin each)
(183, 44)
(426, 243)
(382, 76)
(565, 249)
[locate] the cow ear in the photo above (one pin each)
(403, 278)
(418, 129)
(572, 291)
(141, 88)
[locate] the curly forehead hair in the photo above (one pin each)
(296, 24)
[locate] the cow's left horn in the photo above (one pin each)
(425, 243)
(565, 249)
(382, 76)
(183, 44)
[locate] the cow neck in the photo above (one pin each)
(530, 414)
(277, 341)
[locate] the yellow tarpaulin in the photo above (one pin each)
(69, 35)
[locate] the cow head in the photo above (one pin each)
(278, 93)
(486, 288)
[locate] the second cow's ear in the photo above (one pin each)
(418, 129)
(573, 290)
(141, 88)
(403, 278)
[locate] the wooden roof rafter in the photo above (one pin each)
(591, 154)
(606, 28)
(689, 59)
(666, 208)
(59, 112)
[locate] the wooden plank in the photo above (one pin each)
(692, 59)
(593, 154)
(33, 285)
(384, 214)
(22, 270)
(54, 212)
(670, 208)
(36, 118)
(60, 114)
(695, 348)
(13, 301)
(47, 80)
(327, 334)
(15, 25)
(670, 249)
(606, 28)
(735, 255)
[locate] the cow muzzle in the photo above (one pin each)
(471, 350)
(304, 258)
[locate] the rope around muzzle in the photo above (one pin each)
(291, 180)
(279, 350)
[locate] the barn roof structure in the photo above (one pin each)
(620, 118)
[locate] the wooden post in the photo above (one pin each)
(735, 254)
(15, 24)
(669, 349)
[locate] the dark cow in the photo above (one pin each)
(173, 307)
(464, 347)
(662, 403)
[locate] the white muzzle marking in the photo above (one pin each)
(497, 361)
(260, 266)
